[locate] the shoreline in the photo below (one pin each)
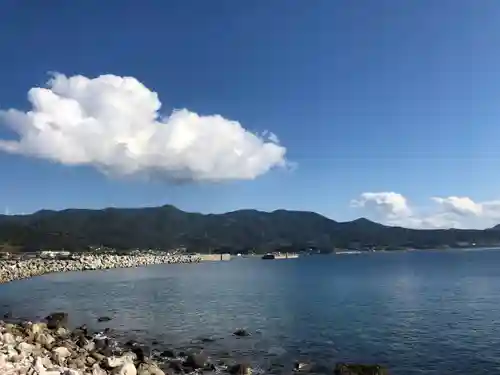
(50, 348)
(12, 270)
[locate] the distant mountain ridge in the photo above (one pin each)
(169, 227)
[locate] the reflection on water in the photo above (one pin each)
(417, 312)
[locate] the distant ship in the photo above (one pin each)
(268, 256)
(280, 256)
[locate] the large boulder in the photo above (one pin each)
(359, 369)
(139, 353)
(241, 333)
(57, 320)
(196, 361)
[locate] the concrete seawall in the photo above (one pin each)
(214, 257)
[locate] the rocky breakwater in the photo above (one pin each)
(21, 269)
(50, 349)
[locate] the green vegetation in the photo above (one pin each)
(243, 231)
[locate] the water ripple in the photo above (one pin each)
(429, 313)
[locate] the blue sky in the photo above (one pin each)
(366, 97)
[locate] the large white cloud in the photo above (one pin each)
(462, 206)
(446, 212)
(388, 204)
(113, 123)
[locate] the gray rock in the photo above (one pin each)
(97, 356)
(45, 339)
(62, 332)
(241, 333)
(60, 354)
(89, 346)
(24, 347)
(8, 338)
(196, 361)
(139, 352)
(107, 352)
(168, 353)
(36, 328)
(126, 369)
(240, 369)
(112, 362)
(149, 369)
(16, 358)
(77, 363)
(101, 343)
(302, 366)
(57, 320)
(176, 365)
(90, 361)
(96, 370)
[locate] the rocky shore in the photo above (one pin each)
(50, 348)
(11, 270)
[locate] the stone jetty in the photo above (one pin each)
(11, 270)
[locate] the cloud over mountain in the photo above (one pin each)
(114, 124)
(446, 212)
(388, 204)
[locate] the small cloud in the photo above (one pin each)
(113, 123)
(448, 212)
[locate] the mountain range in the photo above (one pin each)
(168, 227)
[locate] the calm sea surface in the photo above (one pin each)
(416, 312)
